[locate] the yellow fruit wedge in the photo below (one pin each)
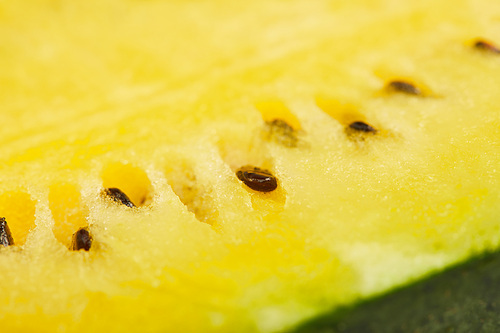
(239, 166)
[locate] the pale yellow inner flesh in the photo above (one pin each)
(167, 99)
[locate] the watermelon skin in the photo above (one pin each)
(461, 299)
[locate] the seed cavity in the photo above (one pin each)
(197, 197)
(67, 209)
(257, 179)
(5, 235)
(486, 46)
(404, 87)
(360, 126)
(272, 109)
(117, 195)
(130, 179)
(281, 132)
(81, 240)
(19, 212)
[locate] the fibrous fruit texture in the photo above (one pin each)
(202, 166)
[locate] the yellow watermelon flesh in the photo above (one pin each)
(167, 100)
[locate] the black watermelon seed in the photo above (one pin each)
(82, 240)
(404, 87)
(282, 132)
(362, 127)
(486, 46)
(5, 235)
(257, 179)
(117, 195)
(280, 123)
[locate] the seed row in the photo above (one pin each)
(255, 178)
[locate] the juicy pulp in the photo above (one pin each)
(166, 100)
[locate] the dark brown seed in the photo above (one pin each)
(362, 127)
(5, 235)
(486, 46)
(281, 124)
(257, 179)
(281, 132)
(82, 240)
(404, 87)
(117, 195)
